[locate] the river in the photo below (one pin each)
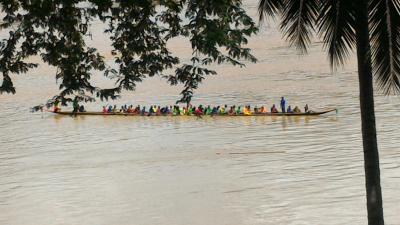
(57, 170)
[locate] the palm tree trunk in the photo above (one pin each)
(371, 154)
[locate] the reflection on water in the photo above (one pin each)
(185, 170)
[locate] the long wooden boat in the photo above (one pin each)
(311, 113)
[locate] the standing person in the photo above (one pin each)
(283, 104)
(57, 105)
(75, 104)
(306, 108)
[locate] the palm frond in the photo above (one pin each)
(336, 26)
(269, 8)
(298, 21)
(385, 42)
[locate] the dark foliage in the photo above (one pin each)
(336, 24)
(139, 32)
(385, 40)
(334, 21)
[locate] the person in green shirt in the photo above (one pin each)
(238, 110)
(208, 111)
(175, 111)
(75, 105)
(191, 110)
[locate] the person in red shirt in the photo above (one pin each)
(198, 111)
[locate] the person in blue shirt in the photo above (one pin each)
(214, 111)
(289, 109)
(283, 104)
(143, 111)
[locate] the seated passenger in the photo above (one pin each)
(158, 111)
(192, 110)
(231, 111)
(137, 110)
(263, 109)
(82, 108)
(175, 110)
(222, 110)
(274, 109)
(214, 111)
(296, 110)
(246, 110)
(151, 110)
(143, 111)
(105, 109)
(130, 109)
(198, 111)
(238, 110)
(208, 110)
(110, 109)
(289, 109)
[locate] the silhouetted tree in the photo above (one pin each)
(139, 32)
(344, 25)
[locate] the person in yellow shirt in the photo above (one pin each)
(247, 110)
(222, 110)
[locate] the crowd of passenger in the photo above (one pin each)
(191, 110)
(202, 110)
